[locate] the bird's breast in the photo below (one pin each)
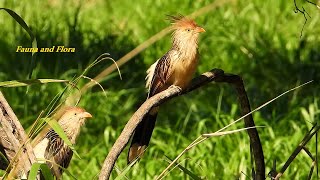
(39, 150)
(183, 71)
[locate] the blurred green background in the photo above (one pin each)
(259, 40)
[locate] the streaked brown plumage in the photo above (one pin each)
(53, 149)
(176, 67)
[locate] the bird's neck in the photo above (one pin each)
(72, 134)
(72, 131)
(187, 49)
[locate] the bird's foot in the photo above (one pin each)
(178, 87)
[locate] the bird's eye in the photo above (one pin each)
(75, 114)
(188, 30)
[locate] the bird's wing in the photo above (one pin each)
(54, 145)
(58, 152)
(63, 158)
(162, 72)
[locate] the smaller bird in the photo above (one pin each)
(53, 149)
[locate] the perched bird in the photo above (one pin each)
(52, 148)
(176, 67)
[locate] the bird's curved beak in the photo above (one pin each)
(200, 29)
(86, 115)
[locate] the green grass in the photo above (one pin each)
(259, 40)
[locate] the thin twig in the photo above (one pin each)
(311, 3)
(304, 13)
(313, 161)
(308, 153)
(305, 140)
(227, 132)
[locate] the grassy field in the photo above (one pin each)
(259, 40)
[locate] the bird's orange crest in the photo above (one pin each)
(181, 21)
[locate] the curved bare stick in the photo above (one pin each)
(216, 75)
(255, 144)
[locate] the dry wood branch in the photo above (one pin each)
(14, 141)
(216, 75)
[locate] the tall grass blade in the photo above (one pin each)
(19, 83)
(46, 172)
(34, 171)
(24, 25)
(126, 170)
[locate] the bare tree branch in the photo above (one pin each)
(14, 141)
(216, 75)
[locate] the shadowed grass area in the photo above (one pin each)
(258, 40)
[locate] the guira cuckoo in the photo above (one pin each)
(52, 148)
(176, 67)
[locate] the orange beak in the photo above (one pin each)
(86, 115)
(199, 29)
